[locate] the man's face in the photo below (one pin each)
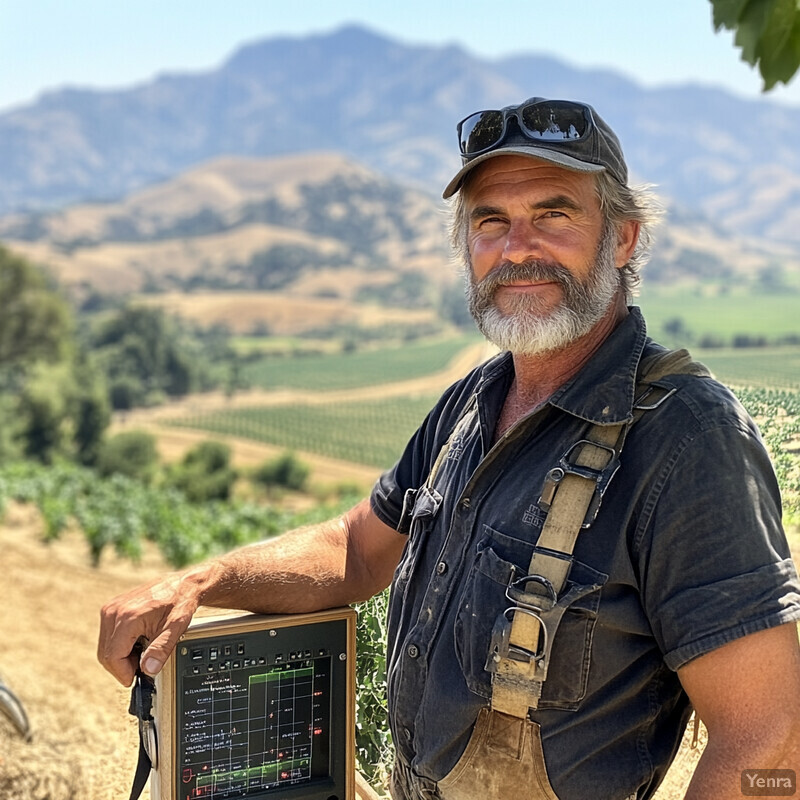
(543, 265)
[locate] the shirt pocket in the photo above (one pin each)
(498, 558)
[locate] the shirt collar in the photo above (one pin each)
(603, 391)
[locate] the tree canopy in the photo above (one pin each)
(35, 323)
(768, 33)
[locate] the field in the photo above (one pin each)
(370, 432)
(723, 316)
(361, 368)
(759, 366)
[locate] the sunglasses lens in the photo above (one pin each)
(554, 122)
(480, 131)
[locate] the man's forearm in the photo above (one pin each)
(322, 566)
(304, 570)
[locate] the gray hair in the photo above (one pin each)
(618, 204)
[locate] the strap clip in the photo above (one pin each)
(567, 466)
(141, 707)
(501, 646)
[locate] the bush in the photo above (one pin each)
(286, 470)
(132, 453)
(125, 393)
(205, 473)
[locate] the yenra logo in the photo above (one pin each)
(769, 782)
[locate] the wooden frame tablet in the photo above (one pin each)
(253, 707)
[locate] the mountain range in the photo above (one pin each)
(392, 107)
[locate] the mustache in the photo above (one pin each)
(533, 270)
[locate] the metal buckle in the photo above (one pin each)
(141, 707)
(522, 597)
(601, 477)
(500, 646)
(147, 731)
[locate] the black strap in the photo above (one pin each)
(141, 707)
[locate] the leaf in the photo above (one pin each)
(727, 13)
(779, 47)
(768, 33)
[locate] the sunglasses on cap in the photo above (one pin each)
(551, 121)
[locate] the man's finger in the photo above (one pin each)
(161, 647)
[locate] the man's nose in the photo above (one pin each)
(523, 242)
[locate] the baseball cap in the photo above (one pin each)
(567, 133)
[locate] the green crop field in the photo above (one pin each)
(723, 316)
(777, 367)
(372, 433)
(360, 368)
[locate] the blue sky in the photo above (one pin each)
(45, 44)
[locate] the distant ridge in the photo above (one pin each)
(392, 107)
(315, 225)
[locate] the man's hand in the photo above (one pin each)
(332, 564)
(158, 612)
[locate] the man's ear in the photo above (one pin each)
(627, 239)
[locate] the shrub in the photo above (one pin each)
(205, 473)
(286, 470)
(132, 453)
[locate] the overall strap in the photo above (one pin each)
(573, 491)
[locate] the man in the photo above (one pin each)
(677, 591)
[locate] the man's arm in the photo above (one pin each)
(748, 695)
(336, 563)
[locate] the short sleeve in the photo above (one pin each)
(714, 561)
(409, 471)
(414, 466)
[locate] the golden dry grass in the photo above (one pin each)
(284, 314)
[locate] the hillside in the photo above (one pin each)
(300, 243)
(245, 224)
(392, 107)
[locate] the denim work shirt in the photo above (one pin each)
(686, 554)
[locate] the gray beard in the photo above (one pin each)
(528, 328)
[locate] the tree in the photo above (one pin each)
(91, 412)
(768, 33)
(52, 399)
(35, 323)
(44, 408)
(284, 470)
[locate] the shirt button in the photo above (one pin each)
(441, 568)
(407, 734)
(413, 651)
(466, 503)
